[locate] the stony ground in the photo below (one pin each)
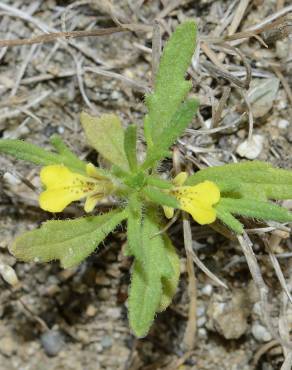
(77, 319)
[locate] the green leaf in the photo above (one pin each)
(146, 287)
(134, 229)
(159, 183)
(64, 150)
(255, 208)
(177, 125)
(106, 135)
(161, 198)
(227, 218)
(69, 241)
(170, 87)
(144, 298)
(32, 153)
(255, 179)
(169, 285)
(130, 143)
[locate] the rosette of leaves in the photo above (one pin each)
(245, 188)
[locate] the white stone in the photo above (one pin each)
(11, 179)
(8, 274)
(207, 290)
(252, 148)
(283, 123)
(260, 333)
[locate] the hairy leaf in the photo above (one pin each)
(169, 285)
(34, 154)
(177, 125)
(69, 241)
(130, 143)
(255, 208)
(248, 179)
(106, 135)
(161, 198)
(146, 289)
(64, 150)
(134, 229)
(170, 87)
(226, 217)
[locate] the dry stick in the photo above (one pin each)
(210, 274)
(22, 70)
(78, 64)
(212, 56)
(270, 245)
(284, 82)
(70, 7)
(135, 84)
(225, 20)
(156, 50)
(250, 114)
(262, 350)
(190, 332)
(246, 246)
(169, 8)
(50, 37)
(219, 109)
(239, 13)
(280, 4)
(4, 113)
(284, 328)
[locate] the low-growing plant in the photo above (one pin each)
(217, 193)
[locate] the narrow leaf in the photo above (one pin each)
(146, 286)
(170, 86)
(134, 229)
(259, 180)
(255, 208)
(159, 197)
(32, 153)
(69, 241)
(227, 218)
(169, 285)
(176, 127)
(106, 135)
(130, 146)
(144, 298)
(64, 150)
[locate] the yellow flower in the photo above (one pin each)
(64, 186)
(198, 200)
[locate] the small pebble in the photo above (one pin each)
(11, 179)
(91, 311)
(252, 148)
(201, 321)
(200, 311)
(283, 123)
(260, 333)
(106, 341)
(8, 274)
(52, 342)
(7, 346)
(207, 290)
(202, 333)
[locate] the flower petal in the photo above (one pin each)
(56, 176)
(180, 179)
(206, 192)
(92, 171)
(202, 215)
(90, 202)
(168, 211)
(56, 200)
